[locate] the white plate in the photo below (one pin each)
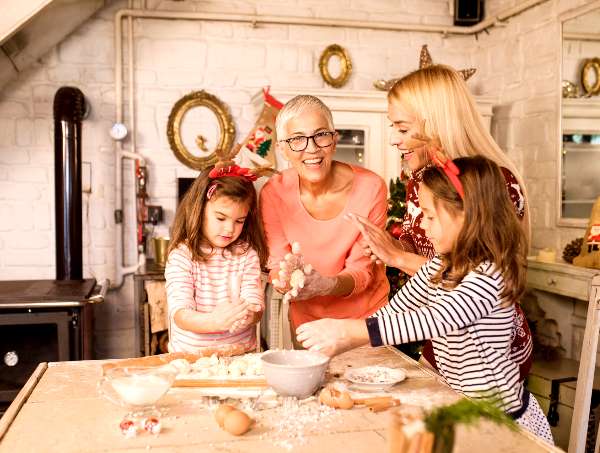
(374, 377)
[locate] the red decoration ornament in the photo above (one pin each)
(395, 229)
(128, 428)
(152, 425)
(234, 171)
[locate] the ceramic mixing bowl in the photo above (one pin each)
(294, 373)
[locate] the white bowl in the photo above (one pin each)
(294, 373)
(136, 386)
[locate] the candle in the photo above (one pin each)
(547, 255)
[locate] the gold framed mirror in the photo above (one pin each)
(183, 138)
(345, 63)
(590, 76)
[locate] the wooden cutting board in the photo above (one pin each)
(219, 383)
(163, 359)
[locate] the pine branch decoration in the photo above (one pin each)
(441, 421)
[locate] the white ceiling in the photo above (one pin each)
(30, 28)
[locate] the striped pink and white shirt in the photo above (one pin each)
(200, 286)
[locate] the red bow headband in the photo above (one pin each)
(440, 160)
(230, 170)
(438, 157)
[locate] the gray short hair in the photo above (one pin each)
(297, 106)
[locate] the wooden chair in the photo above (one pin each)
(585, 377)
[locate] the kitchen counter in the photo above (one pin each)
(60, 410)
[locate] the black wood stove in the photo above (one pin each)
(43, 321)
(52, 320)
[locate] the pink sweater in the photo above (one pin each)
(331, 246)
(200, 286)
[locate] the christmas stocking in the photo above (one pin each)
(261, 139)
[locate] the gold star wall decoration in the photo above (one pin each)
(425, 61)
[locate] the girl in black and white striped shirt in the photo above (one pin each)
(463, 299)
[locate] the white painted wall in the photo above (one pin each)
(233, 61)
(520, 64)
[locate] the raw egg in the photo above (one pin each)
(345, 401)
(237, 422)
(335, 398)
(221, 412)
(326, 398)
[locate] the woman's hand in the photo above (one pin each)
(313, 284)
(298, 281)
(289, 268)
(333, 336)
(378, 244)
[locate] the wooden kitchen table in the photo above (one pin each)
(60, 410)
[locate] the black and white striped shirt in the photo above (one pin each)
(469, 328)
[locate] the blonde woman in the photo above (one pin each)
(436, 102)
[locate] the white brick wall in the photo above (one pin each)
(521, 66)
(233, 61)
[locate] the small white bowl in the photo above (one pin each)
(294, 373)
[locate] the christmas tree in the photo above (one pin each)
(397, 278)
(396, 210)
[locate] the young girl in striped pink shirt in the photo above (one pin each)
(214, 290)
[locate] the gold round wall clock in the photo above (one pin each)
(337, 51)
(226, 133)
(590, 76)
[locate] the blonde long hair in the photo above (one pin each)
(439, 95)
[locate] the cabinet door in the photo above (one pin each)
(371, 149)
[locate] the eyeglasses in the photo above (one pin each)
(320, 139)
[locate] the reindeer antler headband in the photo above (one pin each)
(436, 153)
(226, 166)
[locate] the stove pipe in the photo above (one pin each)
(69, 107)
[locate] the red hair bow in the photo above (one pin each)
(437, 156)
(440, 160)
(232, 170)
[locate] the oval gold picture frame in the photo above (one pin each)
(226, 125)
(591, 65)
(346, 65)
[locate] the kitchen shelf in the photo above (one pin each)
(590, 201)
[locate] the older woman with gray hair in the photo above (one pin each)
(307, 204)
